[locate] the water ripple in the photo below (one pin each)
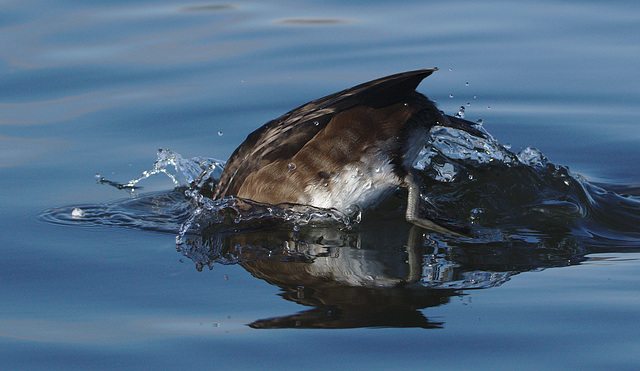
(523, 212)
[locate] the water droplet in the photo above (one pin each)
(475, 97)
(450, 95)
(466, 83)
(220, 133)
(292, 166)
(488, 107)
(316, 123)
(77, 213)
(460, 113)
(479, 121)
(450, 69)
(507, 145)
(475, 214)
(468, 104)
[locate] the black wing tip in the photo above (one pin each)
(417, 75)
(389, 89)
(424, 72)
(402, 83)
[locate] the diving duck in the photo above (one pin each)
(349, 149)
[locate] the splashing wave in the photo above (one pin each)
(523, 212)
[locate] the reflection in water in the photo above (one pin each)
(375, 277)
(371, 268)
(378, 274)
(353, 279)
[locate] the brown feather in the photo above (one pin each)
(267, 151)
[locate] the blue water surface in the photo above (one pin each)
(91, 87)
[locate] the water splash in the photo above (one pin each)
(186, 171)
(161, 211)
(532, 157)
(196, 171)
(234, 214)
(505, 195)
(523, 212)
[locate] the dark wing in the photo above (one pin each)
(286, 135)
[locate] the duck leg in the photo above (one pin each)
(413, 202)
(415, 251)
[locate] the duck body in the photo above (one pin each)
(349, 149)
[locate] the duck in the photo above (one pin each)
(346, 151)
